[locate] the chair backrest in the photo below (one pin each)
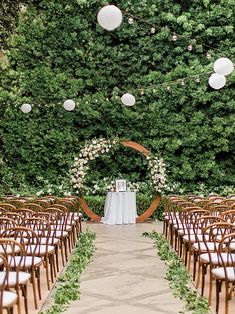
(25, 236)
(229, 216)
(8, 207)
(40, 226)
(15, 216)
(34, 207)
(61, 207)
(217, 210)
(17, 203)
(4, 280)
(217, 231)
(227, 244)
(6, 223)
(25, 212)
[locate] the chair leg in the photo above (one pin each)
(218, 289)
(210, 287)
(46, 261)
(198, 274)
(34, 288)
(25, 295)
(227, 297)
(204, 269)
(62, 251)
(37, 273)
(189, 256)
(18, 300)
(195, 258)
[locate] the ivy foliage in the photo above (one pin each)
(58, 51)
(178, 277)
(67, 286)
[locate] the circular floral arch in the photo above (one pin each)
(79, 168)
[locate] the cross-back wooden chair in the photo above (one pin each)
(225, 273)
(17, 279)
(7, 298)
(212, 235)
(30, 262)
(43, 250)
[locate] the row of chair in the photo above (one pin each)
(32, 236)
(206, 233)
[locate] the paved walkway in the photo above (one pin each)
(126, 276)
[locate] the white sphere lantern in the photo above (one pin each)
(128, 99)
(217, 81)
(26, 108)
(69, 105)
(109, 17)
(223, 66)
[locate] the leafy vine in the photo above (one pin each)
(67, 287)
(177, 275)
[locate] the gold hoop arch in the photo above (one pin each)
(153, 206)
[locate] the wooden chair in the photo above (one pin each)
(30, 262)
(16, 278)
(212, 235)
(7, 299)
(43, 250)
(226, 272)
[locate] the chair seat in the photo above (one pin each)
(216, 260)
(7, 249)
(193, 238)
(211, 246)
(220, 273)
(26, 261)
(8, 298)
(188, 231)
(13, 278)
(40, 249)
(50, 241)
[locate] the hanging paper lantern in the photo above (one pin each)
(69, 105)
(109, 17)
(26, 108)
(128, 99)
(223, 66)
(217, 81)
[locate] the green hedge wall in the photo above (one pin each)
(58, 51)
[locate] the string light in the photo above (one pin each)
(153, 30)
(208, 55)
(190, 47)
(174, 37)
(130, 20)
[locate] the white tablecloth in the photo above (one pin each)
(120, 208)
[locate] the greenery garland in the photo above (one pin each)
(178, 276)
(67, 287)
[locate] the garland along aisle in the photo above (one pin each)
(67, 286)
(178, 276)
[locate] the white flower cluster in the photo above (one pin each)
(80, 167)
(157, 169)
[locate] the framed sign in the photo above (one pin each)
(120, 185)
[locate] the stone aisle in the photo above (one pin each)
(126, 276)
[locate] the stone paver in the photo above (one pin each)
(126, 276)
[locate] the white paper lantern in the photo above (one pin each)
(69, 105)
(109, 17)
(26, 108)
(223, 66)
(128, 99)
(217, 81)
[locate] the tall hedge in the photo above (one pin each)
(58, 51)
